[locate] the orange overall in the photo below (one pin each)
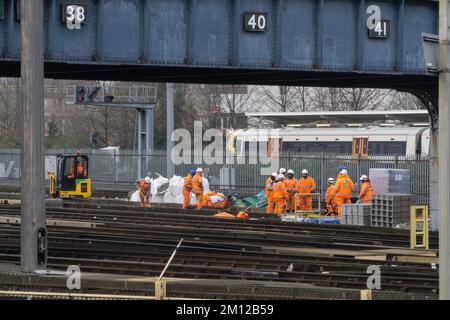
(144, 194)
(290, 186)
(366, 193)
(187, 188)
(330, 200)
(280, 195)
(344, 189)
(197, 187)
(305, 186)
(269, 192)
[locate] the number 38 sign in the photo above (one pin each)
(73, 15)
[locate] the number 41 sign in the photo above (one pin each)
(73, 15)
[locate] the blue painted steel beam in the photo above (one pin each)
(303, 38)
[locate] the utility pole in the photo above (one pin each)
(444, 151)
(170, 130)
(33, 255)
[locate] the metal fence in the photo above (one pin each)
(118, 170)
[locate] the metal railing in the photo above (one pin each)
(118, 170)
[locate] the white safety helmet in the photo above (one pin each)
(330, 180)
(344, 172)
(280, 176)
(282, 170)
(199, 170)
(364, 178)
(290, 171)
(274, 174)
(304, 171)
(148, 180)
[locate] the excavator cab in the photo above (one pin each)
(71, 178)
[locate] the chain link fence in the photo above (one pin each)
(118, 169)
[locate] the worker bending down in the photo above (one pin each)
(269, 192)
(280, 195)
(366, 193)
(187, 189)
(330, 198)
(344, 189)
(304, 188)
(144, 192)
(290, 183)
(197, 187)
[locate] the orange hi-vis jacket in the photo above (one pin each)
(197, 184)
(330, 195)
(280, 191)
(366, 193)
(187, 186)
(290, 184)
(268, 188)
(305, 185)
(344, 186)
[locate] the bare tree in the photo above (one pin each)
(404, 101)
(358, 99)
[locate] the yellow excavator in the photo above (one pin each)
(71, 178)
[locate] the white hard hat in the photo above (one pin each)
(364, 178)
(304, 171)
(344, 172)
(280, 176)
(148, 180)
(274, 174)
(283, 170)
(290, 171)
(200, 170)
(330, 180)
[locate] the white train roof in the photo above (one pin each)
(404, 116)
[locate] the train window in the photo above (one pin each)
(329, 147)
(387, 147)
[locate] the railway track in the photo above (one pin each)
(133, 241)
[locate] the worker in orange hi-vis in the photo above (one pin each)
(330, 198)
(366, 193)
(280, 195)
(304, 189)
(144, 192)
(187, 189)
(269, 192)
(290, 183)
(344, 189)
(197, 187)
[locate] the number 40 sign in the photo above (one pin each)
(73, 15)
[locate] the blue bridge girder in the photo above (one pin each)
(304, 42)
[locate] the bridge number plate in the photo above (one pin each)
(255, 22)
(73, 15)
(381, 31)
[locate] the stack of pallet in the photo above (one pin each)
(386, 181)
(388, 210)
(356, 214)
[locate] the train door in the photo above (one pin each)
(274, 146)
(360, 147)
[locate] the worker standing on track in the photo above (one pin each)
(187, 189)
(344, 189)
(144, 192)
(280, 195)
(304, 188)
(330, 198)
(197, 187)
(290, 183)
(366, 193)
(269, 192)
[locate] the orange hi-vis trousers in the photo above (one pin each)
(304, 202)
(186, 198)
